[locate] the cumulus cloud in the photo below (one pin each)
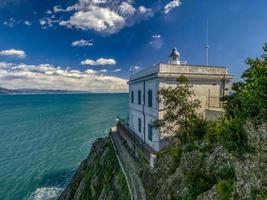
(27, 23)
(13, 53)
(48, 21)
(82, 43)
(171, 5)
(58, 8)
(103, 16)
(10, 22)
(100, 61)
(46, 76)
(156, 41)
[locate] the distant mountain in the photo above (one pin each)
(36, 91)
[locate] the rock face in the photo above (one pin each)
(98, 177)
(209, 173)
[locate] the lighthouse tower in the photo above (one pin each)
(174, 57)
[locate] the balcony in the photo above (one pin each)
(134, 142)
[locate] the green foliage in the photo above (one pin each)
(250, 99)
(109, 177)
(199, 181)
(225, 188)
(174, 151)
(179, 107)
(226, 173)
(229, 132)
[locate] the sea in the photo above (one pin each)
(44, 138)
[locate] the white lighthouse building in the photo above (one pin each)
(210, 83)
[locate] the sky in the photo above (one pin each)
(94, 45)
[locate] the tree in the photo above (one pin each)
(179, 108)
(250, 99)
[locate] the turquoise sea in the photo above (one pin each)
(43, 138)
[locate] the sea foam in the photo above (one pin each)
(46, 193)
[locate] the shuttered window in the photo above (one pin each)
(149, 98)
(139, 125)
(139, 96)
(132, 96)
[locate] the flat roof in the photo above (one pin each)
(182, 69)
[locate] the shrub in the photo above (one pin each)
(175, 151)
(199, 181)
(225, 189)
(226, 173)
(230, 133)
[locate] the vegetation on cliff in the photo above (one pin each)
(223, 159)
(99, 176)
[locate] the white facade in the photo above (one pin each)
(209, 83)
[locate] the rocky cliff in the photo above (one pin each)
(98, 177)
(198, 170)
(208, 172)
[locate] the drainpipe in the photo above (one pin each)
(144, 101)
(223, 91)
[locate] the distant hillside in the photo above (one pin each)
(35, 91)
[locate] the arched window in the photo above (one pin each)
(149, 98)
(132, 96)
(139, 125)
(139, 96)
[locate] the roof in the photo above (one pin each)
(174, 70)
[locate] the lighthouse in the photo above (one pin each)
(174, 57)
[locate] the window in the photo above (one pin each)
(139, 125)
(139, 97)
(149, 98)
(150, 132)
(132, 96)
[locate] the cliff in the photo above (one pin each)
(209, 171)
(99, 176)
(198, 170)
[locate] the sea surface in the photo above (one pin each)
(43, 139)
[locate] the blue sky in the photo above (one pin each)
(93, 44)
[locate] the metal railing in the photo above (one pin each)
(133, 138)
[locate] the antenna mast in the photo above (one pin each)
(207, 43)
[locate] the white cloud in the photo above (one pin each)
(103, 16)
(46, 76)
(97, 19)
(10, 22)
(156, 41)
(173, 4)
(48, 12)
(117, 70)
(103, 70)
(156, 36)
(57, 9)
(13, 53)
(27, 23)
(134, 68)
(82, 43)
(48, 21)
(42, 22)
(100, 61)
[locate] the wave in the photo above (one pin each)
(46, 193)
